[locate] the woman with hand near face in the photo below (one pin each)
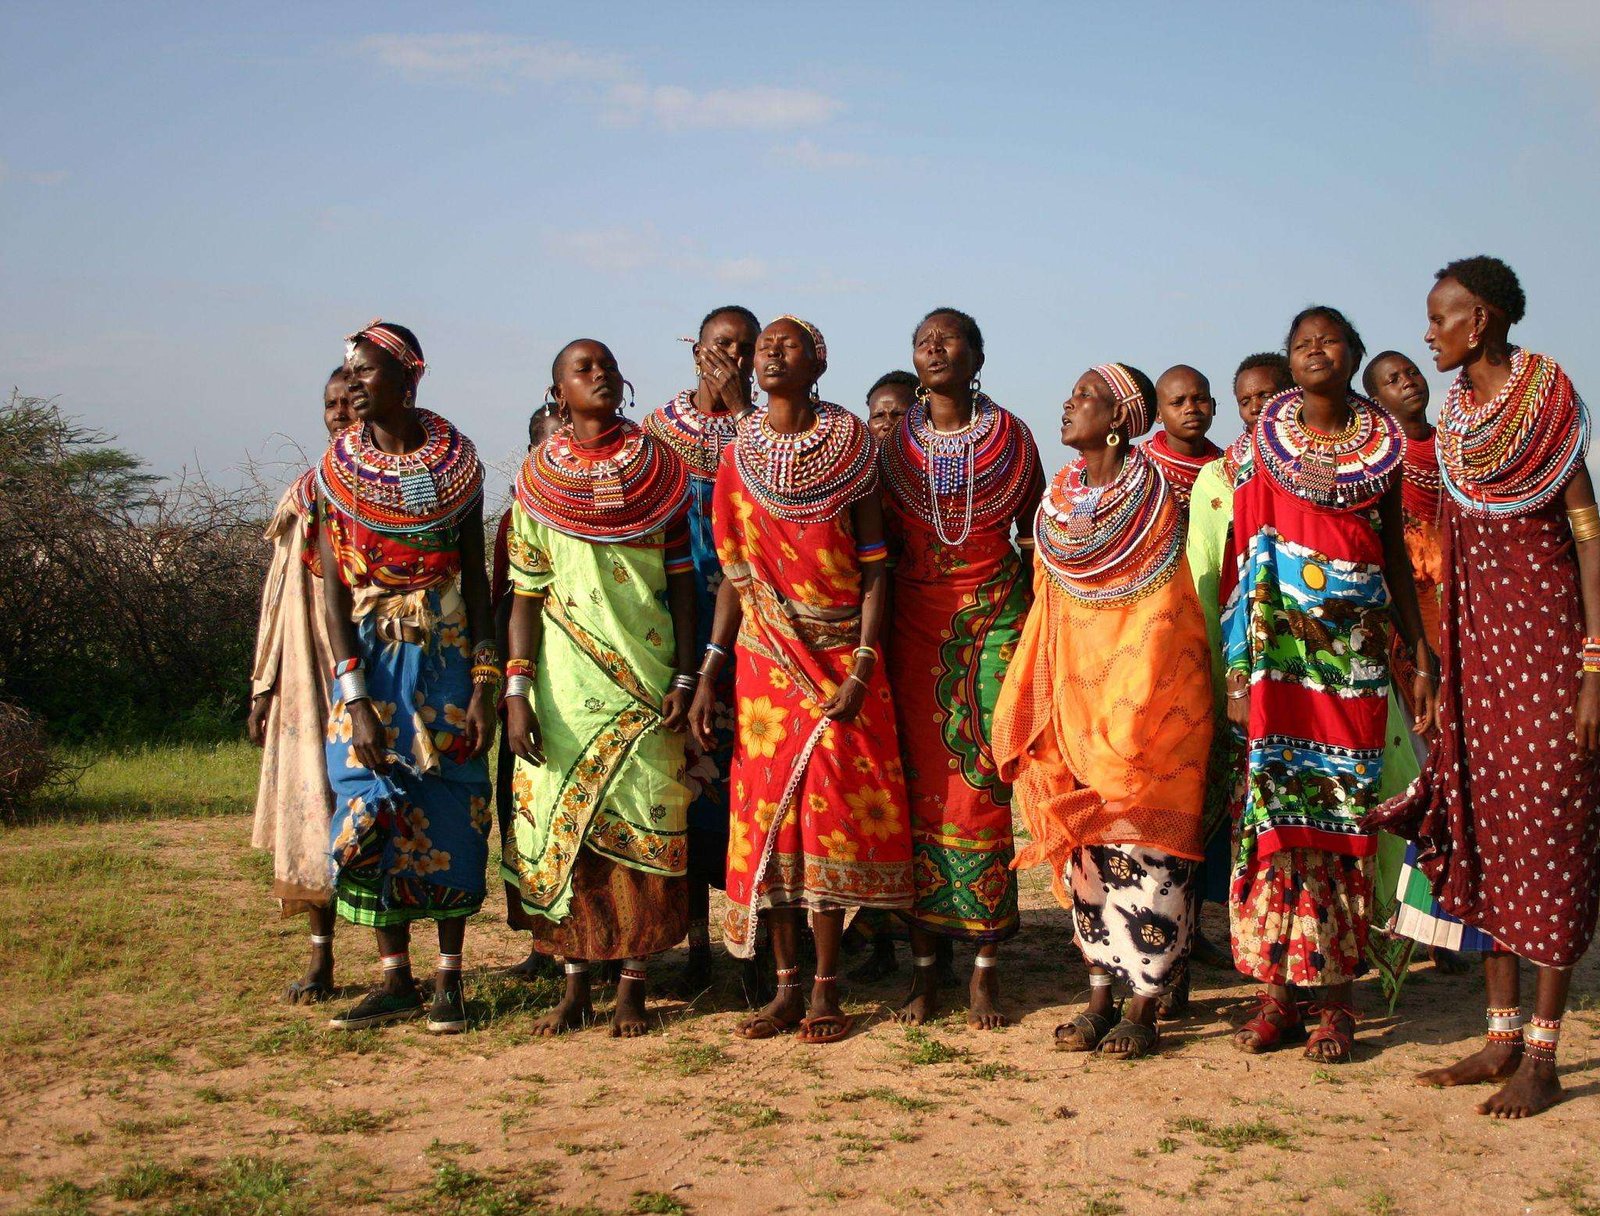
(1104, 721)
(959, 473)
(819, 800)
(415, 675)
(1318, 549)
(599, 678)
(698, 424)
(1506, 815)
(289, 715)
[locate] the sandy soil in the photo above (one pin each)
(694, 1117)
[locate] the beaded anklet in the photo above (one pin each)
(1541, 1037)
(1505, 1025)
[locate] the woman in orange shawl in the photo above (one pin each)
(819, 818)
(1104, 723)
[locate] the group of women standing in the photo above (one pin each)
(1163, 641)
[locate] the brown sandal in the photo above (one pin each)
(1269, 1034)
(1330, 1032)
(825, 1028)
(763, 1026)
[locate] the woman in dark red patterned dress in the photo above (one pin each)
(1506, 814)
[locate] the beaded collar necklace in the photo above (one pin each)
(810, 476)
(1237, 459)
(1179, 470)
(1513, 454)
(1110, 544)
(621, 492)
(1421, 483)
(1342, 472)
(303, 491)
(976, 477)
(400, 494)
(697, 437)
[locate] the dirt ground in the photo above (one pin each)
(147, 1067)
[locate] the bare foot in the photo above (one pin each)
(983, 1009)
(923, 1001)
(628, 1020)
(783, 1012)
(1491, 1062)
(824, 1001)
(317, 983)
(1532, 1088)
(573, 1013)
(535, 967)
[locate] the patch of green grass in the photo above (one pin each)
(691, 1059)
(137, 1129)
(149, 1180)
(1572, 1188)
(1231, 1137)
(922, 1048)
(63, 1199)
(572, 1147)
(157, 781)
(456, 1191)
(339, 1122)
(1105, 1204)
(302, 1037)
(211, 1095)
(1381, 1203)
(750, 1114)
(659, 1203)
(1166, 1145)
(884, 1094)
(993, 1071)
(493, 998)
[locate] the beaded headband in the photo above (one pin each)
(816, 339)
(1127, 393)
(377, 332)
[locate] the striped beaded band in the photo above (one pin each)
(1127, 394)
(810, 476)
(1345, 472)
(680, 565)
(1179, 470)
(1505, 1025)
(875, 552)
(380, 335)
(1515, 453)
(632, 491)
(697, 438)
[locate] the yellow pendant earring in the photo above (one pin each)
(1113, 439)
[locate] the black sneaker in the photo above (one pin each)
(377, 1008)
(448, 1013)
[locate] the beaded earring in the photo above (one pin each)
(921, 394)
(976, 386)
(628, 404)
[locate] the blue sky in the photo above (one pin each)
(197, 202)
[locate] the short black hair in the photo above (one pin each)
(964, 322)
(1274, 361)
(342, 370)
(1351, 336)
(904, 379)
(555, 364)
(1369, 378)
(738, 310)
(545, 413)
(1492, 281)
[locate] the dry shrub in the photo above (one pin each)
(29, 766)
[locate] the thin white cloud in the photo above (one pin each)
(616, 87)
(626, 251)
(807, 155)
(1567, 31)
(32, 177)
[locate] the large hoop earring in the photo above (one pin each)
(921, 395)
(1113, 439)
(976, 386)
(628, 404)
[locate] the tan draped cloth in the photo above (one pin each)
(293, 658)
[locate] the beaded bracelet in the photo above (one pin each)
(487, 673)
(486, 653)
(865, 650)
(521, 667)
(874, 552)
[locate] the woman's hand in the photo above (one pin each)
(256, 724)
(1425, 690)
(847, 700)
(367, 738)
(522, 730)
(479, 732)
(1239, 705)
(1586, 715)
(675, 709)
(721, 375)
(702, 716)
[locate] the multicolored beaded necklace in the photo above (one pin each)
(303, 491)
(1421, 483)
(991, 463)
(628, 488)
(1180, 470)
(1340, 472)
(399, 495)
(1513, 454)
(812, 475)
(1110, 544)
(697, 437)
(1237, 460)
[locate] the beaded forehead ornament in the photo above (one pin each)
(1110, 544)
(432, 487)
(380, 335)
(1127, 393)
(974, 478)
(632, 490)
(1515, 453)
(810, 476)
(1342, 472)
